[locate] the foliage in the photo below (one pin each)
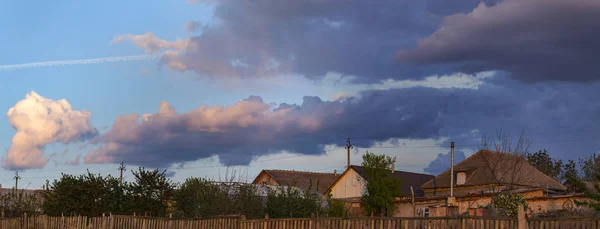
(544, 163)
(508, 204)
(151, 193)
(571, 175)
(249, 202)
(593, 195)
(336, 208)
(89, 195)
(290, 201)
(382, 188)
(590, 167)
(16, 202)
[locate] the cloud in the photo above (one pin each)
(192, 26)
(534, 40)
(151, 44)
(75, 161)
(252, 127)
(40, 121)
(443, 161)
(270, 37)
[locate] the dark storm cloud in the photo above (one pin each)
(442, 162)
(252, 127)
(266, 37)
(534, 40)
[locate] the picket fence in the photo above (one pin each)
(132, 222)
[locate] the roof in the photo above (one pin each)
(489, 167)
(409, 179)
(301, 179)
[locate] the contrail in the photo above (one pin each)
(77, 62)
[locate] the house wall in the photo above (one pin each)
(540, 205)
(536, 200)
(350, 185)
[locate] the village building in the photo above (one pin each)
(319, 182)
(481, 176)
(350, 186)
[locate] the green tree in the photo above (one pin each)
(381, 187)
(249, 202)
(547, 165)
(570, 177)
(336, 208)
(290, 201)
(89, 195)
(198, 197)
(593, 193)
(151, 193)
(590, 167)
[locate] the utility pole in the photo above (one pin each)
(452, 169)
(17, 177)
(348, 147)
(121, 168)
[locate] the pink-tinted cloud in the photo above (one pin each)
(41, 121)
(271, 37)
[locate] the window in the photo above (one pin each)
(461, 178)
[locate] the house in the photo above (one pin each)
(479, 178)
(489, 171)
(320, 182)
(350, 186)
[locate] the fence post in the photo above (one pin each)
(522, 220)
(25, 224)
(241, 221)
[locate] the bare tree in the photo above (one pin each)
(504, 159)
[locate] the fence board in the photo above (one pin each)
(133, 222)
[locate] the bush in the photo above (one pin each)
(508, 204)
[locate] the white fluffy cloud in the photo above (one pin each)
(41, 121)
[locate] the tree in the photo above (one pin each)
(336, 208)
(290, 201)
(249, 202)
(593, 193)
(590, 167)
(88, 195)
(151, 192)
(381, 187)
(570, 175)
(507, 166)
(198, 197)
(542, 161)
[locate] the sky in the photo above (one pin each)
(209, 88)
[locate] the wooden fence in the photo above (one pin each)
(132, 222)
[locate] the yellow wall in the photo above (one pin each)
(350, 185)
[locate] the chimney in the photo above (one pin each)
(452, 169)
(393, 168)
(335, 172)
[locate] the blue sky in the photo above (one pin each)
(385, 79)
